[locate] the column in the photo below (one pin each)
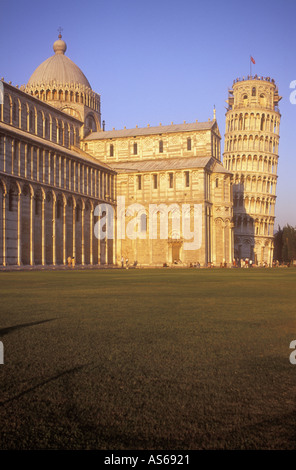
(12, 156)
(74, 176)
(43, 166)
(214, 243)
(209, 234)
(231, 247)
(19, 255)
(31, 229)
(99, 250)
(64, 231)
(106, 247)
(19, 157)
(91, 229)
(115, 237)
(206, 233)
(82, 233)
(54, 169)
(73, 228)
(4, 227)
(43, 243)
(4, 152)
(224, 240)
(54, 229)
(70, 174)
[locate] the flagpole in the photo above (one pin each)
(250, 67)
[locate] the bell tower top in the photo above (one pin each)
(253, 92)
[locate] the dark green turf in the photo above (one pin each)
(148, 359)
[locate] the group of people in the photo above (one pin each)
(195, 265)
(71, 261)
(127, 263)
(237, 263)
(243, 263)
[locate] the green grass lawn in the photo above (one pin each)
(148, 359)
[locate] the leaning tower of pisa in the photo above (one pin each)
(251, 154)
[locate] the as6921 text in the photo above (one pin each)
(168, 459)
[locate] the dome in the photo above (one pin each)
(58, 68)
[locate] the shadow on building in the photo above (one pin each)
(245, 225)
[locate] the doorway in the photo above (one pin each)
(175, 253)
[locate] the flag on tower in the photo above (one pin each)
(253, 60)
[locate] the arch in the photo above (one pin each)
(26, 203)
(262, 100)
(246, 121)
(90, 122)
(240, 122)
(4, 186)
(49, 222)
(8, 104)
(61, 202)
(3, 199)
(47, 125)
(40, 123)
(87, 231)
(38, 200)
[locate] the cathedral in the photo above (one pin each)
(155, 196)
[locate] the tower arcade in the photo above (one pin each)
(251, 154)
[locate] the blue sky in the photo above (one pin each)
(164, 61)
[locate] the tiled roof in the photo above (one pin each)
(219, 168)
(138, 131)
(168, 164)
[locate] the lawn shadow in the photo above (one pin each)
(10, 329)
(44, 382)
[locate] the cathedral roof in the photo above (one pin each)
(58, 68)
(157, 164)
(186, 127)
